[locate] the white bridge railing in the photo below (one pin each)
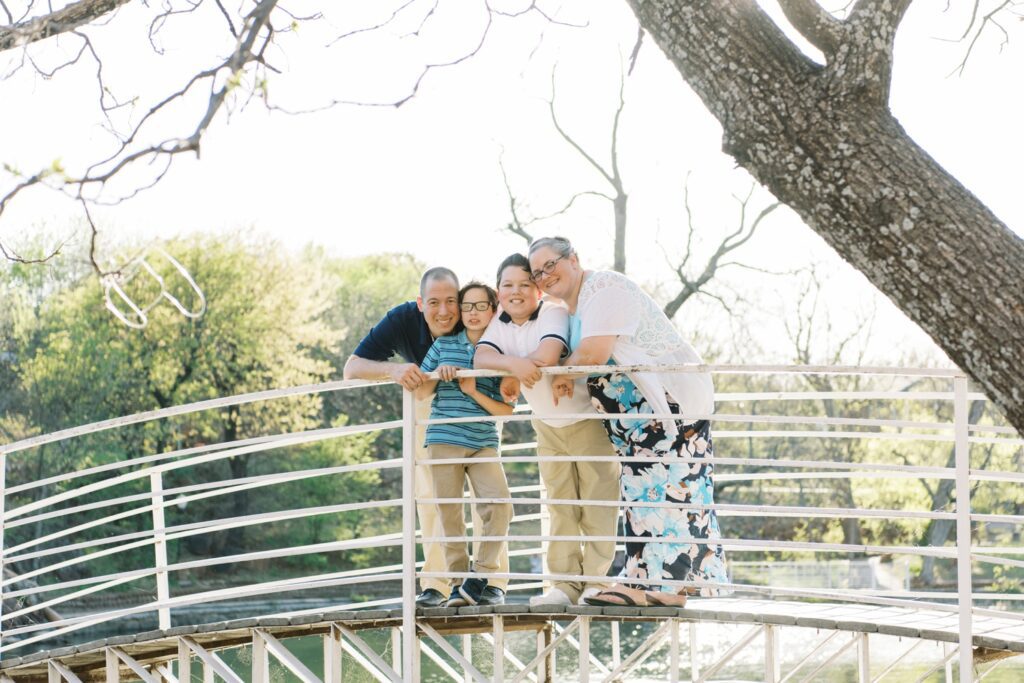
(76, 507)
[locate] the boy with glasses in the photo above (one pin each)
(467, 397)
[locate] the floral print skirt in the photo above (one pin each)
(655, 482)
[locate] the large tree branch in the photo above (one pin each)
(69, 18)
(820, 28)
(864, 68)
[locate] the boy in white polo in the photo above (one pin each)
(529, 334)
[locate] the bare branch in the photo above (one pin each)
(227, 18)
(426, 18)
(516, 226)
(10, 17)
(382, 24)
(568, 138)
(161, 19)
(93, 236)
(986, 21)
(636, 49)
(533, 7)
(63, 20)
(11, 255)
(691, 286)
(616, 176)
(814, 23)
(99, 173)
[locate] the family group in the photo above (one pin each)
(546, 310)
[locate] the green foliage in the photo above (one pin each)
(273, 319)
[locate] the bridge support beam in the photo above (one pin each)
(863, 659)
(332, 656)
(772, 662)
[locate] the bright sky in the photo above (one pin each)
(425, 179)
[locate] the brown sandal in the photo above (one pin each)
(614, 598)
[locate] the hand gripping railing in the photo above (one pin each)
(92, 495)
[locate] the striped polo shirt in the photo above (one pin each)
(449, 401)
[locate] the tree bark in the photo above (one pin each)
(66, 19)
(823, 140)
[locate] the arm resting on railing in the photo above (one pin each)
(408, 375)
(591, 351)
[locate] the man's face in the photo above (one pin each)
(440, 306)
(517, 293)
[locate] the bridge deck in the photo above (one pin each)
(88, 659)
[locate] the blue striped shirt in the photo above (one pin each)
(449, 401)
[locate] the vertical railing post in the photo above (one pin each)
(963, 527)
(163, 588)
(409, 650)
(3, 523)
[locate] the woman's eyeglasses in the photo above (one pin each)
(546, 269)
(478, 305)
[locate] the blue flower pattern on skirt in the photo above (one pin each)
(656, 482)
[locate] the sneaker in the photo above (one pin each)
(469, 593)
(555, 596)
(588, 593)
(492, 596)
(430, 598)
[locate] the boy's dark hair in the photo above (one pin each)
(438, 273)
(492, 296)
(517, 260)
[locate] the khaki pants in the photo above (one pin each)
(579, 481)
(430, 525)
(486, 480)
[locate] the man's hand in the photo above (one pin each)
(447, 372)
(408, 375)
(525, 370)
(562, 386)
(510, 389)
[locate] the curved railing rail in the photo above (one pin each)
(73, 508)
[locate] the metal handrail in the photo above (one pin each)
(157, 499)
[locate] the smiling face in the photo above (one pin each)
(474, 319)
(517, 294)
(439, 305)
(558, 275)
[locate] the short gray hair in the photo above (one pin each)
(560, 245)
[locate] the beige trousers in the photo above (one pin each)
(430, 524)
(579, 481)
(486, 480)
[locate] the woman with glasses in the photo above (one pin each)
(614, 322)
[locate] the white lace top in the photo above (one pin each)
(610, 304)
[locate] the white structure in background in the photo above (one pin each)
(137, 314)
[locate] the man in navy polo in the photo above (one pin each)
(408, 331)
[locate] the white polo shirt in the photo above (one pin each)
(549, 321)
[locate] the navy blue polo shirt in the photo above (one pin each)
(403, 331)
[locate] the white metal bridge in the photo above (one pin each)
(790, 632)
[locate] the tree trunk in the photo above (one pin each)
(823, 140)
(620, 201)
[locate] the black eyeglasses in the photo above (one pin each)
(478, 305)
(546, 269)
